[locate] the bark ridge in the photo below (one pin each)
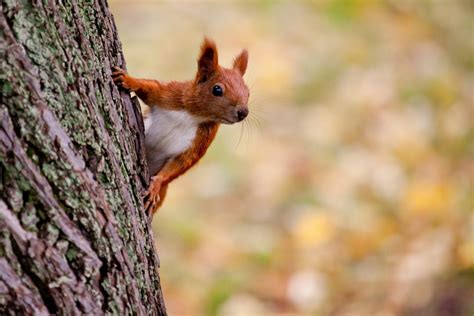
(73, 235)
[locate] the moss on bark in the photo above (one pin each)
(73, 236)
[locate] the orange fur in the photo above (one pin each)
(196, 98)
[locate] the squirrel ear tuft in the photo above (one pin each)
(207, 62)
(240, 62)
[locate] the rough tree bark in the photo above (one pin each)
(73, 235)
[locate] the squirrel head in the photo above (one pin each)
(220, 94)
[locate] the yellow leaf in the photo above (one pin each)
(428, 199)
(313, 229)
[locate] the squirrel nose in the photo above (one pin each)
(242, 113)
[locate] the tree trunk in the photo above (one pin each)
(74, 238)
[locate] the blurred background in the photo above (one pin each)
(349, 190)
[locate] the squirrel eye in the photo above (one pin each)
(217, 91)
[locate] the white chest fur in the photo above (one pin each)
(167, 133)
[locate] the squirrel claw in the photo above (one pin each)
(150, 204)
(117, 69)
(118, 76)
(151, 198)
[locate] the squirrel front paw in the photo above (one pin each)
(120, 77)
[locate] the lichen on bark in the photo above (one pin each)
(73, 235)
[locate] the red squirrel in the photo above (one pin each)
(184, 116)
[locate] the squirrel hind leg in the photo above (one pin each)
(154, 198)
(163, 191)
